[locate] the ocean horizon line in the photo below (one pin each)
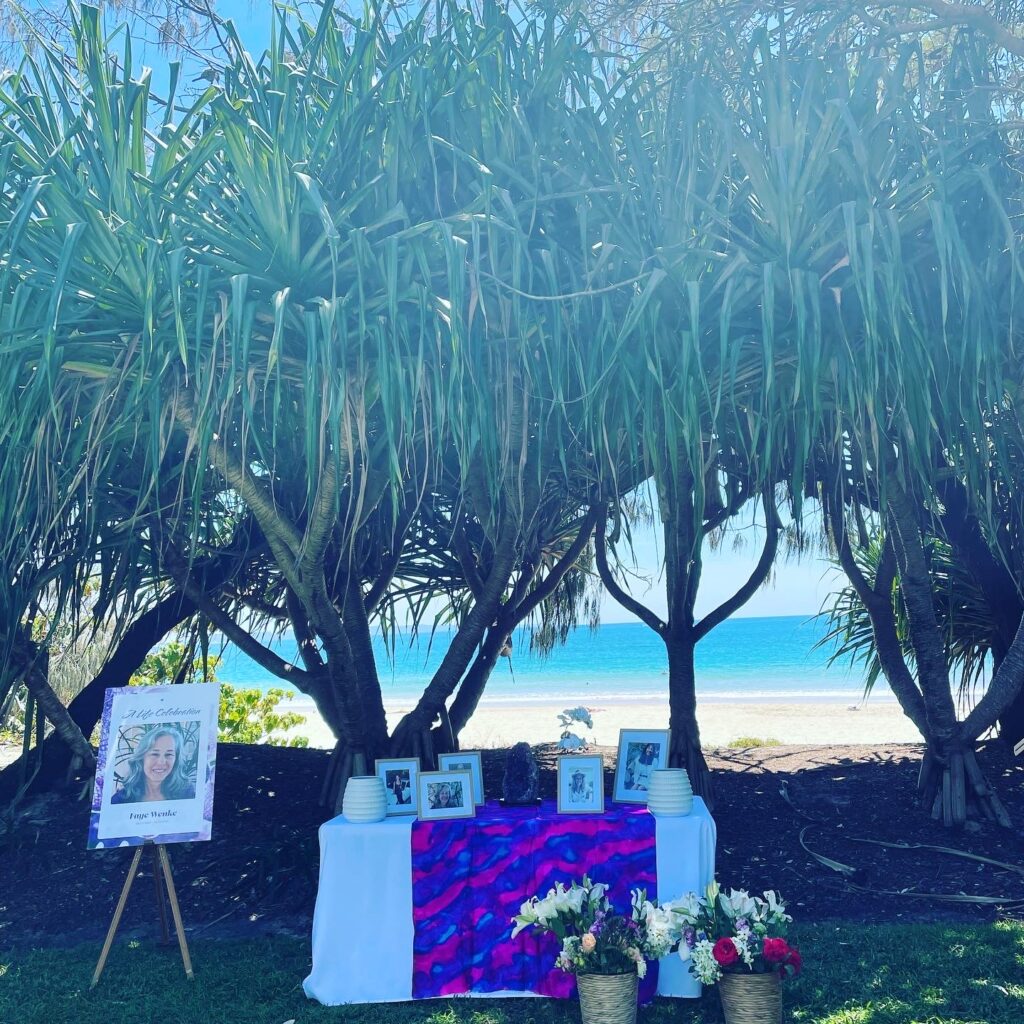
(569, 700)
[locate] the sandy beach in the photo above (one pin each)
(721, 722)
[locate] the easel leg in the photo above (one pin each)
(175, 911)
(165, 936)
(112, 931)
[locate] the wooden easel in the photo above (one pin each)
(161, 863)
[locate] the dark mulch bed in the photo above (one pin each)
(259, 874)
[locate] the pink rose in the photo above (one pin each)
(588, 942)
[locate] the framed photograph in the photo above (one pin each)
(466, 761)
(581, 784)
(641, 751)
(399, 775)
(442, 795)
(155, 768)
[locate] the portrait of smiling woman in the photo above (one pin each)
(157, 769)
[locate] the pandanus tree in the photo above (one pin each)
(975, 573)
(700, 397)
(900, 263)
(356, 276)
(59, 529)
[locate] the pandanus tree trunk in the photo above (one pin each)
(679, 631)
(471, 689)
(1004, 601)
(685, 747)
(951, 784)
(951, 780)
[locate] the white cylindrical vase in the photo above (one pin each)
(364, 799)
(669, 794)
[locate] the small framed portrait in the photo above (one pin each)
(399, 775)
(445, 795)
(641, 752)
(466, 761)
(581, 784)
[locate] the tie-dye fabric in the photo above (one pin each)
(470, 877)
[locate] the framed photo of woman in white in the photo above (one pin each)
(641, 751)
(581, 784)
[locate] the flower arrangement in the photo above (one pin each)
(733, 933)
(597, 940)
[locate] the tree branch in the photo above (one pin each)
(464, 553)
(628, 602)
(380, 585)
(323, 515)
(974, 16)
(308, 650)
(729, 509)
(281, 535)
(549, 584)
(244, 640)
(51, 706)
(1006, 683)
(926, 635)
(756, 578)
(880, 612)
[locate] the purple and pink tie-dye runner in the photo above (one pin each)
(470, 876)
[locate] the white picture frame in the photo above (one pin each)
(443, 795)
(581, 784)
(640, 752)
(466, 760)
(399, 775)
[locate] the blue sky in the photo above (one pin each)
(795, 588)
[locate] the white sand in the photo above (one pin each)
(800, 722)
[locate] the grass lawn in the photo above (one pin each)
(912, 974)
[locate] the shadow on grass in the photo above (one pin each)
(893, 974)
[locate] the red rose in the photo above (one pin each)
(725, 953)
(775, 951)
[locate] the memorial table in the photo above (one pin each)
(415, 909)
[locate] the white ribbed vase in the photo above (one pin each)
(669, 794)
(364, 799)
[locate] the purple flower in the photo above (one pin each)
(742, 924)
(690, 937)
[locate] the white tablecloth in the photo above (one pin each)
(363, 921)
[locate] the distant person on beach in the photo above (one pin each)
(156, 769)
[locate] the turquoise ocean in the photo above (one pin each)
(766, 660)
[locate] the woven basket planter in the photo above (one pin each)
(607, 998)
(751, 998)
